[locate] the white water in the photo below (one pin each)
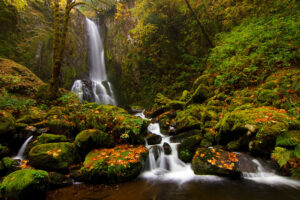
(20, 155)
(171, 168)
(97, 75)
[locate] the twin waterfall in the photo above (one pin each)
(97, 88)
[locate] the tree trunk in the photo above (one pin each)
(199, 23)
(56, 63)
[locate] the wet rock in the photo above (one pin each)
(156, 150)
(26, 184)
(57, 180)
(167, 148)
(211, 161)
(154, 113)
(154, 139)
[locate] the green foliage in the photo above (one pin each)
(282, 155)
(9, 101)
(254, 49)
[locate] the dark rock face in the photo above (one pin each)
(154, 139)
(167, 148)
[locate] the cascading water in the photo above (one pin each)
(160, 166)
(98, 88)
(20, 155)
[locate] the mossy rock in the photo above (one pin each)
(57, 180)
(90, 139)
(216, 162)
(167, 148)
(261, 125)
(124, 127)
(188, 147)
(7, 123)
(46, 138)
(33, 115)
(189, 118)
(52, 156)
(8, 165)
(204, 79)
(182, 136)
(25, 184)
(118, 164)
(4, 151)
(61, 127)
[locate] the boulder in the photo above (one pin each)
(57, 180)
(200, 95)
(52, 156)
(4, 151)
(90, 139)
(25, 184)
(7, 166)
(188, 147)
(117, 164)
(167, 148)
(211, 161)
(7, 123)
(153, 139)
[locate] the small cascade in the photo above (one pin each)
(20, 155)
(268, 176)
(160, 166)
(97, 88)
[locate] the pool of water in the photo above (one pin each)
(206, 189)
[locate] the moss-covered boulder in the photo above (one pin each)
(7, 166)
(25, 184)
(4, 151)
(182, 136)
(61, 126)
(288, 139)
(53, 156)
(117, 164)
(188, 147)
(18, 79)
(257, 128)
(211, 161)
(46, 138)
(7, 122)
(124, 127)
(90, 139)
(57, 180)
(188, 119)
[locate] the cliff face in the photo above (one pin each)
(27, 39)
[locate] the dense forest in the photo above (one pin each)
(149, 99)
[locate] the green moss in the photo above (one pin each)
(33, 115)
(200, 95)
(8, 166)
(288, 139)
(25, 184)
(53, 156)
(282, 155)
(61, 126)
(91, 139)
(4, 151)
(7, 122)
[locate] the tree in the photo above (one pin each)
(199, 23)
(18, 4)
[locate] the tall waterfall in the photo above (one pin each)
(97, 88)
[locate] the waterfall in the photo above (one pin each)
(97, 88)
(20, 155)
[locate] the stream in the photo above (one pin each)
(168, 178)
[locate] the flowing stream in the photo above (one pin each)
(97, 88)
(168, 178)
